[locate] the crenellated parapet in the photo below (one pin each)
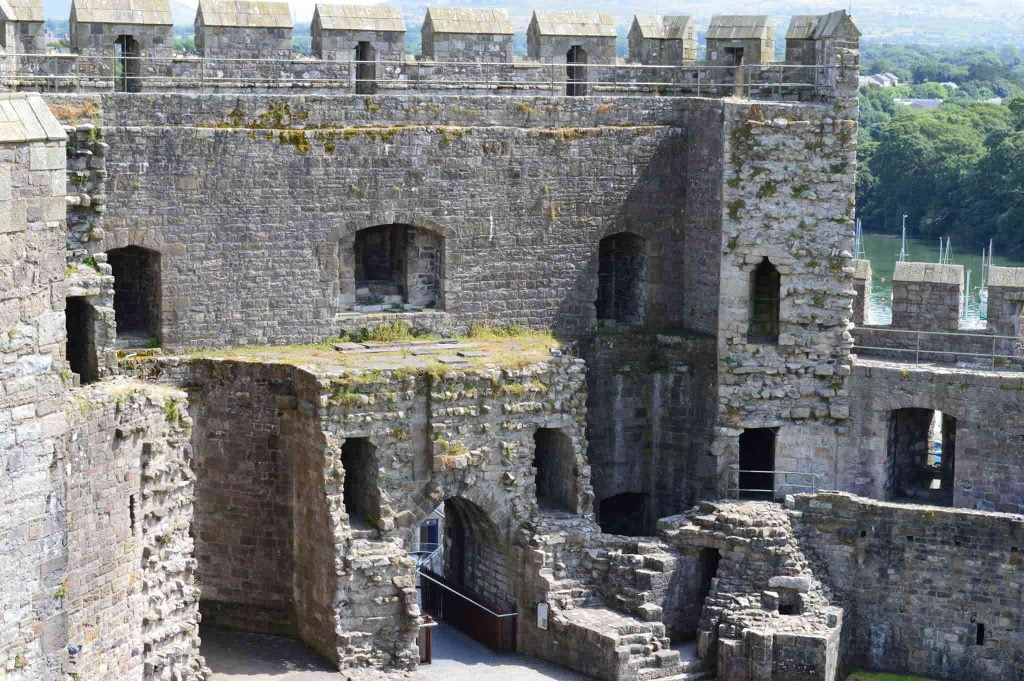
(246, 46)
(927, 296)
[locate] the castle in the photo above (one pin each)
(266, 319)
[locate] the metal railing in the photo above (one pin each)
(76, 72)
(444, 602)
(936, 347)
(755, 484)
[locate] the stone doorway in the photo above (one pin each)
(555, 462)
(80, 320)
(576, 71)
(366, 68)
(757, 464)
(127, 65)
(627, 514)
(473, 592)
(361, 487)
(136, 296)
(920, 456)
(765, 299)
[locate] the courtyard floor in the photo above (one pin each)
(234, 656)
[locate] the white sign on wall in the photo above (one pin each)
(542, 616)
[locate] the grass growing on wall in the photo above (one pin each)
(882, 676)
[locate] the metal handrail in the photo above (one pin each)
(811, 485)
(917, 350)
(464, 596)
(607, 76)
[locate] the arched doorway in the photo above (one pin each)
(366, 68)
(473, 592)
(576, 71)
(137, 295)
(621, 278)
(127, 66)
(920, 456)
(398, 266)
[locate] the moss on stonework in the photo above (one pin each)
(734, 207)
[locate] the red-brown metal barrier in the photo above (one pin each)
(453, 605)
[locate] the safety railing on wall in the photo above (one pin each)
(769, 485)
(942, 347)
(447, 603)
(75, 73)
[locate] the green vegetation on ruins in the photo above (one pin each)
(876, 676)
(957, 170)
(397, 346)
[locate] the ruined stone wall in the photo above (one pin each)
(989, 435)
(650, 425)
(129, 594)
(32, 384)
(918, 582)
(244, 505)
(524, 186)
(787, 196)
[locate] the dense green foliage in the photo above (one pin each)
(956, 171)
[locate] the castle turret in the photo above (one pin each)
(463, 34)
(740, 39)
(663, 40)
(237, 29)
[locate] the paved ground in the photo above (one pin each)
(249, 657)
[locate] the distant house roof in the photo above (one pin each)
(819, 26)
(739, 27)
(466, 20)
(360, 17)
(244, 14)
(22, 10)
(662, 27)
(589, 24)
(920, 103)
(142, 12)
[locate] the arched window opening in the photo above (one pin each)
(627, 514)
(136, 295)
(621, 278)
(765, 295)
(576, 71)
(555, 461)
(366, 68)
(127, 65)
(757, 464)
(398, 267)
(80, 320)
(921, 456)
(362, 489)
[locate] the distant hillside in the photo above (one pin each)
(936, 22)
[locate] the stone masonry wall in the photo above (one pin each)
(244, 505)
(989, 434)
(537, 183)
(788, 196)
(918, 582)
(32, 423)
(649, 427)
(130, 598)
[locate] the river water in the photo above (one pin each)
(883, 252)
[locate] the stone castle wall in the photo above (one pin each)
(787, 196)
(129, 594)
(32, 422)
(919, 582)
(989, 435)
(566, 193)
